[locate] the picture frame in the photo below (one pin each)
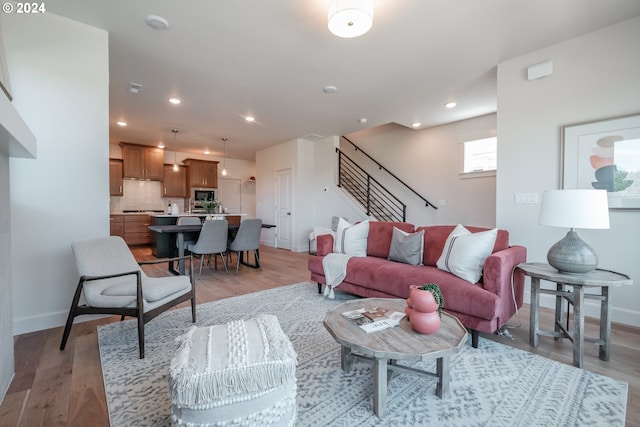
(604, 154)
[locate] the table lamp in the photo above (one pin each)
(574, 209)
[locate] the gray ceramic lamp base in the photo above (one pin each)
(572, 255)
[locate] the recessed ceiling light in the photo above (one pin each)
(121, 123)
(156, 22)
(207, 152)
(450, 104)
(250, 119)
(362, 120)
(329, 89)
(416, 124)
(174, 101)
(161, 145)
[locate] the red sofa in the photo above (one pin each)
(482, 307)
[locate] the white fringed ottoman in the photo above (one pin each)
(239, 374)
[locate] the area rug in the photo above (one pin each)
(493, 385)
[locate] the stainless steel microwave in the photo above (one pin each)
(203, 194)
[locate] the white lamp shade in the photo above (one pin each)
(350, 18)
(574, 209)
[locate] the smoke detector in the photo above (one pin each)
(134, 87)
(156, 22)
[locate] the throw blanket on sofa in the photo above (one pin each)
(335, 270)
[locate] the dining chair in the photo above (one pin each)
(212, 241)
(112, 282)
(189, 238)
(247, 239)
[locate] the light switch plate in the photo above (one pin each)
(525, 198)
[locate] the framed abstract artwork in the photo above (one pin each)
(604, 155)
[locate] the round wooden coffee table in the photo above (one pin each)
(386, 347)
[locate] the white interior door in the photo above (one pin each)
(229, 194)
(284, 209)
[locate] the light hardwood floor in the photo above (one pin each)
(65, 388)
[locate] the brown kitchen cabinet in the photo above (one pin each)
(136, 229)
(201, 173)
(142, 162)
(117, 225)
(115, 177)
(175, 183)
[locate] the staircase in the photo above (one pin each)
(377, 201)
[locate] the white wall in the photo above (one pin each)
(6, 320)
(59, 76)
(429, 161)
(596, 76)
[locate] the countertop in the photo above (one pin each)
(164, 215)
(159, 215)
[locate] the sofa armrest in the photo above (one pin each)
(500, 267)
(324, 244)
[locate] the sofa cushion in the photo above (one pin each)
(435, 237)
(464, 252)
(351, 239)
(395, 278)
(407, 248)
(380, 232)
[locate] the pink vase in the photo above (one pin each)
(423, 300)
(425, 323)
(408, 310)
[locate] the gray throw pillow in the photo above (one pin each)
(334, 222)
(406, 248)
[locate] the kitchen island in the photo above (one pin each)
(164, 245)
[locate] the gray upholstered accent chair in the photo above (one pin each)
(247, 239)
(212, 241)
(112, 282)
(189, 238)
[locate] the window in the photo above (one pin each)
(480, 155)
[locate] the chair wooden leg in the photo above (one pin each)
(72, 315)
(224, 262)
(201, 261)
(141, 334)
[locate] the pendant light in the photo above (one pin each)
(175, 149)
(224, 165)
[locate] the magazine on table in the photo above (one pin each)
(373, 319)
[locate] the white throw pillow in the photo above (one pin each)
(464, 252)
(351, 239)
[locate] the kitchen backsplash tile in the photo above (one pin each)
(142, 195)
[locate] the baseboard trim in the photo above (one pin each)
(592, 309)
(24, 325)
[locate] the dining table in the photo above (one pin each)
(179, 231)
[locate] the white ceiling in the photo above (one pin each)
(226, 59)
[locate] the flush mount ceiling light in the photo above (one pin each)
(450, 105)
(156, 22)
(350, 18)
(329, 89)
(416, 124)
(174, 101)
(121, 123)
(250, 119)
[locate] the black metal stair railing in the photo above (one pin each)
(377, 201)
(381, 167)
